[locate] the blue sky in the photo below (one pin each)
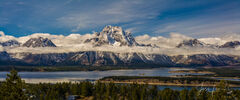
(196, 18)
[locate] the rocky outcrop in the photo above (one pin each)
(10, 43)
(5, 58)
(39, 42)
(101, 58)
(231, 44)
(206, 59)
(191, 43)
(95, 58)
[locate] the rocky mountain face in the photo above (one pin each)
(231, 44)
(95, 58)
(197, 43)
(39, 42)
(112, 35)
(5, 58)
(10, 43)
(191, 43)
(206, 59)
(101, 58)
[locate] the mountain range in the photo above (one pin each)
(115, 47)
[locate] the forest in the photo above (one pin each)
(14, 88)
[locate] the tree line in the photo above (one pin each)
(14, 88)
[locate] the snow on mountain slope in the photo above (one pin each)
(39, 42)
(231, 44)
(10, 43)
(103, 58)
(221, 39)
(114, 46)
(163, 42)
(115, 39)
(191, 43)
(4, 38)
(112, 35)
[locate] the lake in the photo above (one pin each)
(72, 76)
(53, 77)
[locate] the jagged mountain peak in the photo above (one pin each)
(191, 43)
(231, 44)
(112, 35)
(10, 43)
(39, 42)
(112, 28)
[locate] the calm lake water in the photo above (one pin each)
(36, 77)
(53, 77)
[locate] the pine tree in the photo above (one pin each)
(14, 88)
(154, 92)
(193, 94)
(222, 91)
(203, 95)
(184, 94)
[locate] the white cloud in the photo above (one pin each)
(215, 41)
(144, 37)
(124, 49)
(4, 37)
(1, 48)
(75, 43)
(35, 35)
(171, 42)
(220, 40)
(131, 30)
(2, 33)
(58, 40)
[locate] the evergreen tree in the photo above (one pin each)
(222, 92)
(193, 94)
(184, 94)
(14, 88)
(203, 95)
(169, 94)
(153, 92)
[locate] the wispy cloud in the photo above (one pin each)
(200, 18)
(111, 12)
(212, 22)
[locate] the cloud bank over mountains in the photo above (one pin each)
(171, 41)
(148, 44)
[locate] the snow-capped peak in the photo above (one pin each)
(39, 42)
(192, 43)
(230, 44)
(112, 35)
(10, 43)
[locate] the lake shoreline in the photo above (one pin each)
(167, 84)
(168, 81)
